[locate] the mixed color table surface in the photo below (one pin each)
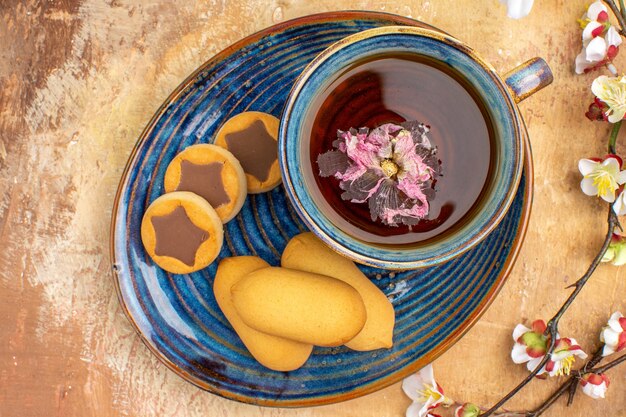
(79, 80)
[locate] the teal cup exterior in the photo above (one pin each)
(500, 97)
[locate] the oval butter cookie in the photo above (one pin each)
(273, 352)
(181, 232)
(298, 305)
(211, 172)
(306, 252)
(252, 137)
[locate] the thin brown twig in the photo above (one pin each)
(555, 396)
(609, 365)
(552, 326)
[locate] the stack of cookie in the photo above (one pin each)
(206, 186)
(316, 298)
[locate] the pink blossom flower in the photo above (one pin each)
(614, 334)
(530, 345)
(425, 392)
(616, 252)
(563, 356)
(602, 177)
(601, 40)
(516, 9)
(392, 168)
(467, 410)
(595, 385)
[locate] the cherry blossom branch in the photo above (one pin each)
(572, 381)
(571, 384)
(618, 15)
(609, 365)
(552, 326)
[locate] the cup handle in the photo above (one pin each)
(528, 78)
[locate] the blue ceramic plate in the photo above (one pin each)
(177, 316)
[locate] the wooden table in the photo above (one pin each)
(78, 82)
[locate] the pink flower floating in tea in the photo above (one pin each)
(393, 168)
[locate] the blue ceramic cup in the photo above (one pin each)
(498, 96)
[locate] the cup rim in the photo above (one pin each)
(421, 258)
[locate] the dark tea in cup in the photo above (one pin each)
(395, 89)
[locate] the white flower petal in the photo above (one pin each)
(581, 63)
(598, 86)
(617, 115)
(613, 37)
(588, 188)
(614, 322)
(533, 363)
(586, 166)
(619, 207)
(595, 391)
(608, 350)
(596, 50)
(621, 177)
(591, 26)
(519, 330)
(516, 9)
(595, 9)
(414, 410)
(519, 354)
(608, 196)
(427, 375)
(610, 337)
(412, 385)
(612, 164)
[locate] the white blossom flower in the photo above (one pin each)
(600, 39)
(425, 393)
(614, 334)
(563, 356)
(612, 92)
(516, 9)
(595, 385)
(530, 344)
(602, 177)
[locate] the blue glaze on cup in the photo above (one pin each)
(528, 78)
(299, 175)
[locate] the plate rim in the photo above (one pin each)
(448, 342)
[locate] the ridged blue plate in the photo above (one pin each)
(177, 316)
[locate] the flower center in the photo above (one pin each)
(429, 392)
(389, 167)
(603, 181)
(566, 365)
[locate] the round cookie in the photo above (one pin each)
(211, 172)
(252, 137)
(181, 232)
